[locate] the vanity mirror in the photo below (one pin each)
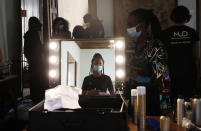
(75, 56)
(74, 10)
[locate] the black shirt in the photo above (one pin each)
(101, 83)
(179, 41)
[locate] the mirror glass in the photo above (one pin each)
(74, 10)
(71, 70)
(81, 53)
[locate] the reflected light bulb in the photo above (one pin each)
(53, 59)
(119, 59)
(120, 73)
(53, 45)
(52, 73)
(119, 44)
(111, 41)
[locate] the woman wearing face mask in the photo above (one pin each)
(148, 63)
(97, 82)
(60, 28)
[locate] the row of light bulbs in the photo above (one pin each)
(120, 59)
(53, 59)
(119, 45)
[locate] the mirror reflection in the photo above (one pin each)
(81, 19)
(82, 52)
(71, 70)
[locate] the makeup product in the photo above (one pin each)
(141, 108)
(198, 112)
(180, 110)
(164, 123)
(134, 105)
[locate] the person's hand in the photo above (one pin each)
(93, 92)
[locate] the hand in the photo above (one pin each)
(93, 92)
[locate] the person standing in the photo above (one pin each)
(182, 43)
(60, 29)
(148, 62)
(33, 51)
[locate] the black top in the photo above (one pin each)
(179, 41)
(33, 48)
(101, 83)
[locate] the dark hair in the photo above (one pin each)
(34, 22)
(60, 21)
(148, 18)
(79, 32)
(180, 14)
(96, 55)
(87, 18)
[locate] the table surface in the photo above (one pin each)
(173, 126)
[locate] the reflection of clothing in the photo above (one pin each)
(95, 29)
(62, 35)
(148, 67)
(33, 51)
(179, 41)
(101, 83)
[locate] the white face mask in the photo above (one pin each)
(133, 32)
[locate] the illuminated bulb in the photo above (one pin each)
(120, 73)
(119, 44)
(119, 59)
(53, 59)
(52, 73)
(111, 41)
(53, 45)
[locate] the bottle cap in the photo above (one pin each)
(141, 90)
(180, 97)
(133, 92)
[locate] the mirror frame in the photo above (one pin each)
(112, 41)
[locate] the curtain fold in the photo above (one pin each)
(3, 30)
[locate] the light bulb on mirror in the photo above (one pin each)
(52, 73)
(119, 44)
(120, 73)
(53, 59)
(120, 59)
(53, 45)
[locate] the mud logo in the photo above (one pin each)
(182, 34)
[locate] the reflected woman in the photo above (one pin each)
(97, 82)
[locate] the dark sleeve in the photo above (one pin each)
(109, 83)
(84, 85)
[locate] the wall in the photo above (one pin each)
(191, 5)
(73, 11)
(85, 63)
(105, 13)
(74, 50)
(10, 29)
